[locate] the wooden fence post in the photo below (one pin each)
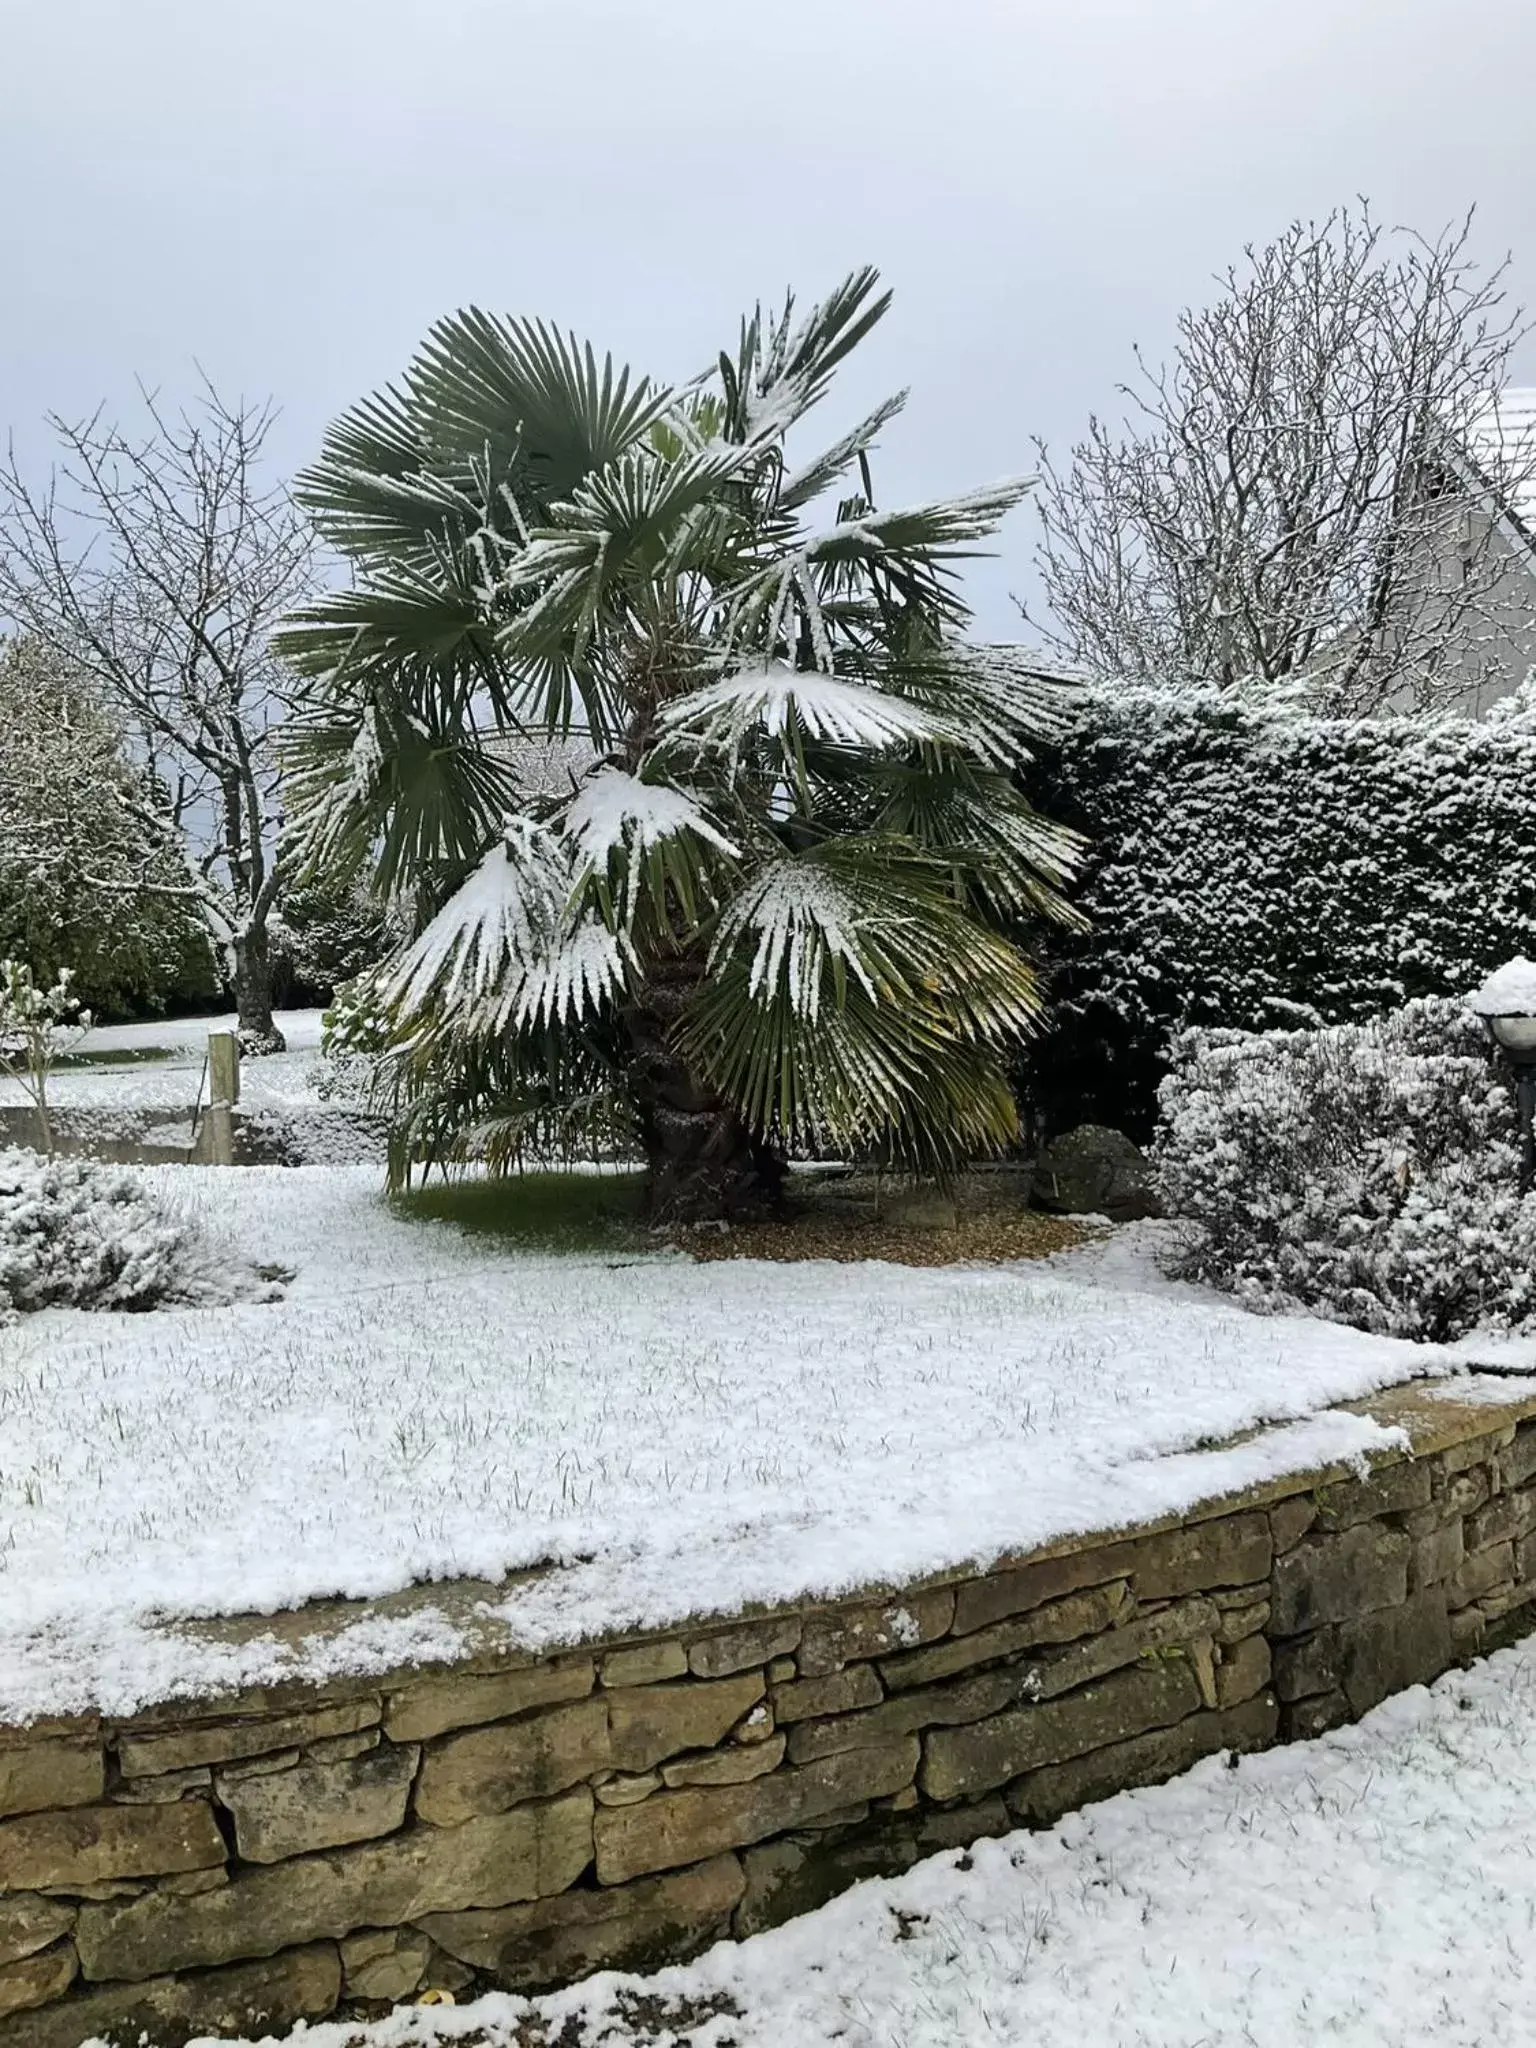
(223, 1093)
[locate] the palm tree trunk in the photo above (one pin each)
(705, 1165)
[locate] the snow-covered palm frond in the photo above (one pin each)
(506, 949)
(632, 836)
(818, 475)
(779, 700)
(933, 530)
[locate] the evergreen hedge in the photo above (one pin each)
(1256, 870)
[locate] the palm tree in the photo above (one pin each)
(771, 907)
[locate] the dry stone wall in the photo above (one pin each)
(236, 1865)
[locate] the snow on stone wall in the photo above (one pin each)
(242, 1863)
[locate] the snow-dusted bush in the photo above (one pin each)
(74, 1234)
(1254, 869)
(1367, 1172)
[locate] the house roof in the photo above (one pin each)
(1501, 441)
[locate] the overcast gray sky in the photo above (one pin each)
(289, 193)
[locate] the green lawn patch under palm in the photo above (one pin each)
(568, 1212)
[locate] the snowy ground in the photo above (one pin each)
(681, 1438)
(280, 1081)
(1376, 1888)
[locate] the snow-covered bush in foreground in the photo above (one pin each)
(74, 1234)
(1367, 1172)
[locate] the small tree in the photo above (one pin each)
(768, 906)
(92, 870)
(1271, 513)
(157, 565)
(36, 1025)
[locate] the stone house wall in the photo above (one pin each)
(235, 1865)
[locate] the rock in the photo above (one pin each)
(735, 1766)
(964, 1699)
(960, 1762)
(486, 1770)
(320, 1805)
(1517, 1461)
(1506, 1518)
(737, 1649)
(646, 1664)
(983, 1601)
(1308, 1718)
(493, 1861)
(687, 1826)
(1391, 1491)
(1370, 1657)
(1073, 1664)
(1466, 1492)
(847, 1635)
(170, 1785)
(86, 1845)
(1094, 1171)
(1289, 1521)
(636, 1926)
(337, 1749)
(29, 1922)
(1329, 1578)
(1238, 1622)
(42, 1776)
(38, 1979)
(841, 1692)
(1059, 1621)
(388, 1965)
(627, 1791)
(1043, 1796)
(221, 1742)
(1243, 1671)
(434, 1705)
(649, 1723)
(784, 1879)
(271, 1995)
(1436, 1556)
(1198, 1557)
(757, 1725)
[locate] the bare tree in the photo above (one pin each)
(158, 565)
(1309, 496)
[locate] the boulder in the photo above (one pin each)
(1094, 1171)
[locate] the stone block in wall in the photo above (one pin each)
(1289, 1521)
(168, 1787)
(637, 1926)
(320, 1805)
(28, 1922)
(736, 1765)
(1371, 1657)
(1506, 1518)
(738, 1649)
(1330, 1578)
(644, 1664)
(1245, 1669)
(960, 1762)
(494, 1861)
(1393, 1490)
(842, 1692)
(1044, 1795)
(1479, 1572)
(37, 1979)
(1305, 1719)
(962, 1699)
(451, 1700)
(91, 1845)
(387, 1964)
(648, 1723)
(39, 1776)
(1075, 1664)
(1481, 1449)
(272, 1995)
(222, 1742)
(486, 1770)
(1237, 1621)
(1437, 1555)
(688, 1826)
(1229, 1550)
(1079, 1614)
(1517, 1461)
(625, 1790)
(1466, 1492)
(847, 1635)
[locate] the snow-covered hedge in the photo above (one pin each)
(74, 1234)
(1367, 1172)
(1255, 870)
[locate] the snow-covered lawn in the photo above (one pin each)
(1375, 1888)
(280, 1081)
(681, 1438)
